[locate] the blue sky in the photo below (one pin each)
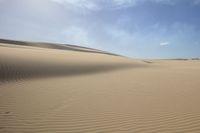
(135, 28)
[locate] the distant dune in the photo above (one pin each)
(47, 87)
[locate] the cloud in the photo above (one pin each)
(1, 0)
(58, 1)
(79, 4)
(164, 43)
(127, 32)
(102, 4)
(196, 2)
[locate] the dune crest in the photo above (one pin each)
(48, 60)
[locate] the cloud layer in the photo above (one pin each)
(102, 4)
(134, 28)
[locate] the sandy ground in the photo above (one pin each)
(51, 90)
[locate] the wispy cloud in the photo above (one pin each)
(102, 4)
(143, 28)
(196, 2)
(164, 43)
(79, 4)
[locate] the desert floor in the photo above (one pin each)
(46, 89)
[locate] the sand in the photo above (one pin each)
(44, 89)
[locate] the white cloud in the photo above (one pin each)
(58, 1)
(102, 4)
(196, 2)
(164, 43)
(79, 4)
(133, 2)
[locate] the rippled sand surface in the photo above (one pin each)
(48, 89)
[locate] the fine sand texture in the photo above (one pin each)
(52, 88)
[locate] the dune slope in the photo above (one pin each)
(48, 88)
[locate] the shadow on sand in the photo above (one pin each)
(13, 72)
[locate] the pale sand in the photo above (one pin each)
(53, 91)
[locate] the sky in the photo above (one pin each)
(134, 28)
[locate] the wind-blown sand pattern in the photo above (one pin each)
(46, 88)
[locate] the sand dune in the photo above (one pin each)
(45, 62)
(53, 46)
(56, 88)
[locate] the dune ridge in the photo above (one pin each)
(16, 66)
(54, 46)
(59, 90)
